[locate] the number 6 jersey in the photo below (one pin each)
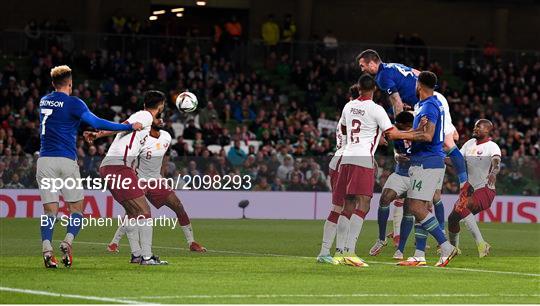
(365, 121)
(151, 157)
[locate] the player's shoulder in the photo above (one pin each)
(493, 145)
(469, 142)
(165, 135)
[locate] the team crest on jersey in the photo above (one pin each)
(158, 146)
(166, 145)
(479, 152)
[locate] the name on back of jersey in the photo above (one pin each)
(357, 111)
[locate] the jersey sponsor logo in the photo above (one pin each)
(357, 111)
(51, 103)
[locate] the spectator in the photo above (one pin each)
(262, 185)
(270, 32)
(236, 155)
(284, 169)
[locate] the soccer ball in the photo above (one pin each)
(186, 102)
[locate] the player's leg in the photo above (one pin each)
(424, 182)
(174, 203)
(113, 245)
(329, 235)
(45, 171)
(330, 225)
(480, 200)
(449, 145)
(343, 222)
(74, 197)
(361, 208)
(397, 217)
(438, 208)
(407, 224)
(47, 229)
(383, 212)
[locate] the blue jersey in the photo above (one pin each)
(429, 154)
(399, 78)
(60, 118)
(402, 147)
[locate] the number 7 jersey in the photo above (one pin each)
(365, 121)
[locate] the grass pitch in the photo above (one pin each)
(264, 261)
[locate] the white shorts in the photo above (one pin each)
(449, 127)
(424, 182)
(58, 168)
(398, 183)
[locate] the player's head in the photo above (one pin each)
(157, 124)
(154, 101)
(482, 129)
(354, 91)
(367, 85)
(61, 78)
(404, 121)
(426, 83)
(369, 61)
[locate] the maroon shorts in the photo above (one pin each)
(338, 197)
(483, 197)
(121, 174)
(356, 180)
(158, 196)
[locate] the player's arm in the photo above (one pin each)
(101, 124)
(397, 104)
(495, 168)
(424, 134)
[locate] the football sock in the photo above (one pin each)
(407, 224)
(329, 233)
(397, 216)
(382, 219)
(431, 225)
(120, 232)
(470, 222)
(73, 227)
(420, 235)
(342, 231)
(132, 233)
(355, 227)
(145, 234)
(459, 164)
(188, 233)
(47, 229)
(439, 213)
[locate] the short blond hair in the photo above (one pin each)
(60, 74)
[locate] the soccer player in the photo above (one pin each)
(399, 82)
(483, 158)
(396, 187)
(362, 121)
(426, 169)
(60, 118)
(148, 168)
(330, 225)
(125, 188)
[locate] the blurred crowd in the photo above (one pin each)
(273, 121)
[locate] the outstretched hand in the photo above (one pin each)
(89, 136)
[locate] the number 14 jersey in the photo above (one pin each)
(365, 121)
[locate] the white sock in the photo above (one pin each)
(446, 248)
(69, 238)
(120, 232)
(188, 233)
(145, 234)
(329, 233)
(418, 253)
(355, 228)
(342, 231)
(397, 217)
(454, 239)
(46, 246)
(132, 233)
(470, 222)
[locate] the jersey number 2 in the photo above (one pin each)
(355, 138)
(46, 113)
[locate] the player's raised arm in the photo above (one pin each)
(101, 124)
(397, 104)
